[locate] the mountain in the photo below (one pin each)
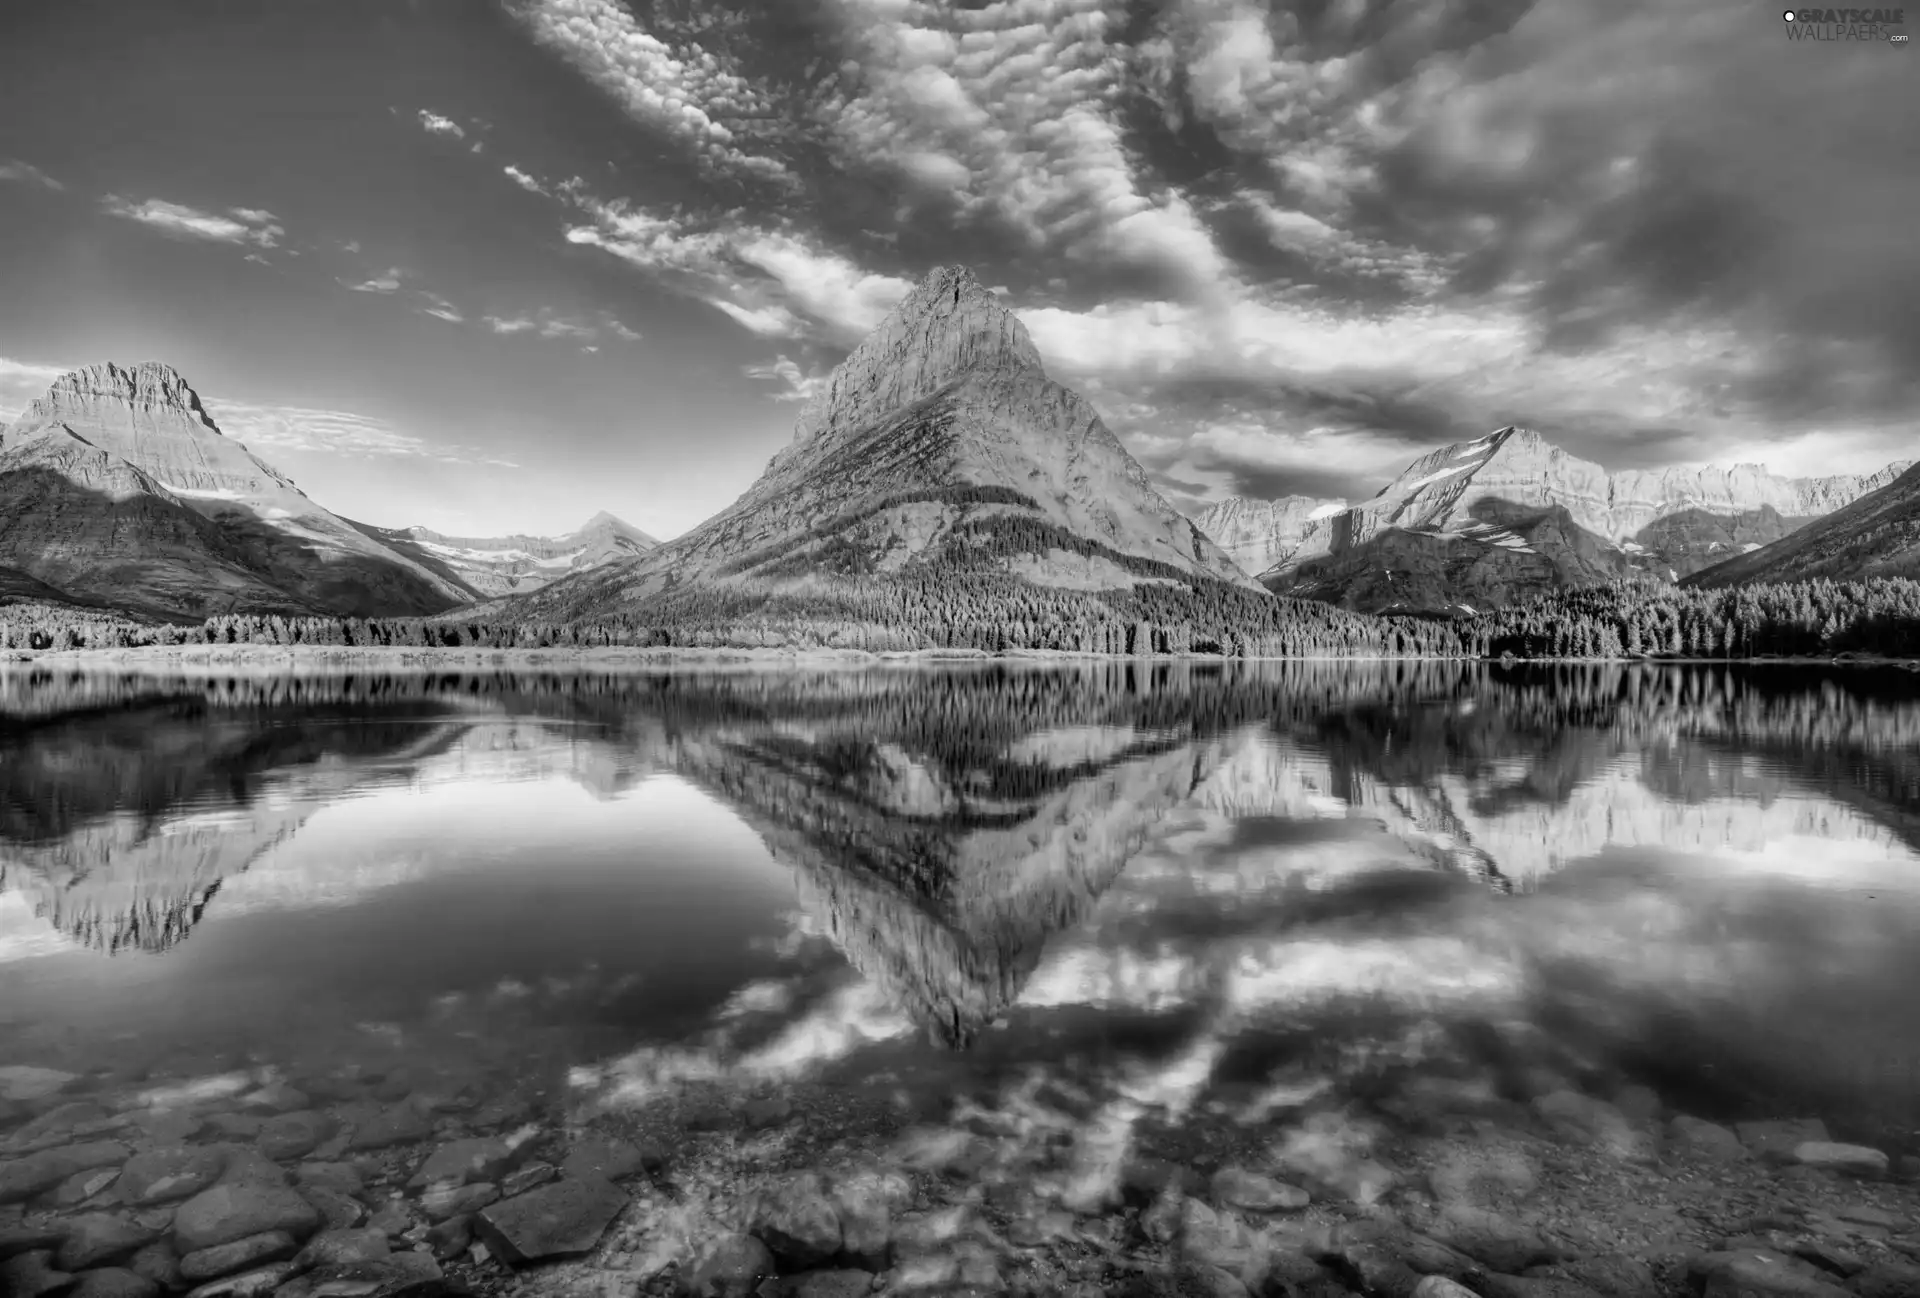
(506, 565)
(939, 451)
(1509, 515)
(117, 487)
(1258, 534)
(1877, 535)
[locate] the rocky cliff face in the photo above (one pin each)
(940, 442)
(1877, 535)
(118, 487)
(1258, 534)
(1509, 515)
(492, 566)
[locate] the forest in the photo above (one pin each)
(1809, 619)
(997, 613)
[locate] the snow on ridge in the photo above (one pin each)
(1436, 476)
(1328, 510)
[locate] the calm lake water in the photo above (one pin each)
(1171, 889)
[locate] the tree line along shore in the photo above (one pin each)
(1816, 619)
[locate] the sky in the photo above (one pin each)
(495, 267)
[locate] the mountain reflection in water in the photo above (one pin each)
(1168, 885)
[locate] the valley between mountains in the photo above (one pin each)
(941, 490)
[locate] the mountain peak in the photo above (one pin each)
(946, 327)
(149, 386)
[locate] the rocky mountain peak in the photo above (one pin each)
(149, 387)
(946, 327)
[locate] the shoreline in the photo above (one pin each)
(310, 657)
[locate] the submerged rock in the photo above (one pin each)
(394, 1276)
(609, 1157)
(343, 1178)
(248, 1284)
(1706, 1139)
(236, 1126)
(532, 1176)
(1501, 1242)
(162, 1175)
(796, 1218)
(114, 1282)
(820, 1284)
(82, 1186)
(1759, 1273)
(24, 1238)
(449, 1239)
(1888, 1280)
(1438, 1286)
(1235, 1187)
(98, 1238)
(443, 1202)
(240, 1255)
(338, 1247)
(733, 1266)
(463, 1161)
(403, 1124)
(337, 1211)
(866, 1202)
(1775, 1141)
(32, 1275)
(228, 1212)
(563, 1219)
(23, 1178)
(160, 1263)
(62, 1120)
(1854, 1160)
(293, 1135)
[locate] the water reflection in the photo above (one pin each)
(1177, 887)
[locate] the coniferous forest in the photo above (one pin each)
(1805, 619)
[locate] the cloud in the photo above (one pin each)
(438, 125)
(236, 225)
(310, 430)
(24, 382)
(765, 321)
(546, 323)
(799, 386)
(693, 94)
(388, 281)
(25, 173)
(441, 309)
(523, 180)
(1013, 113)
(620, 330)
(1309, 240)
(773, 283)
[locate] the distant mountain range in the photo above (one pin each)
(1483, 523)
(939, 489)
(506, 565)
(117, 489)
(1877, 535)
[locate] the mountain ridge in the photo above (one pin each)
(117, 486)
(1480, 523)
(1876, 535)
(939, 446)
(493, 566)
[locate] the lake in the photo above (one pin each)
(1006, 924)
